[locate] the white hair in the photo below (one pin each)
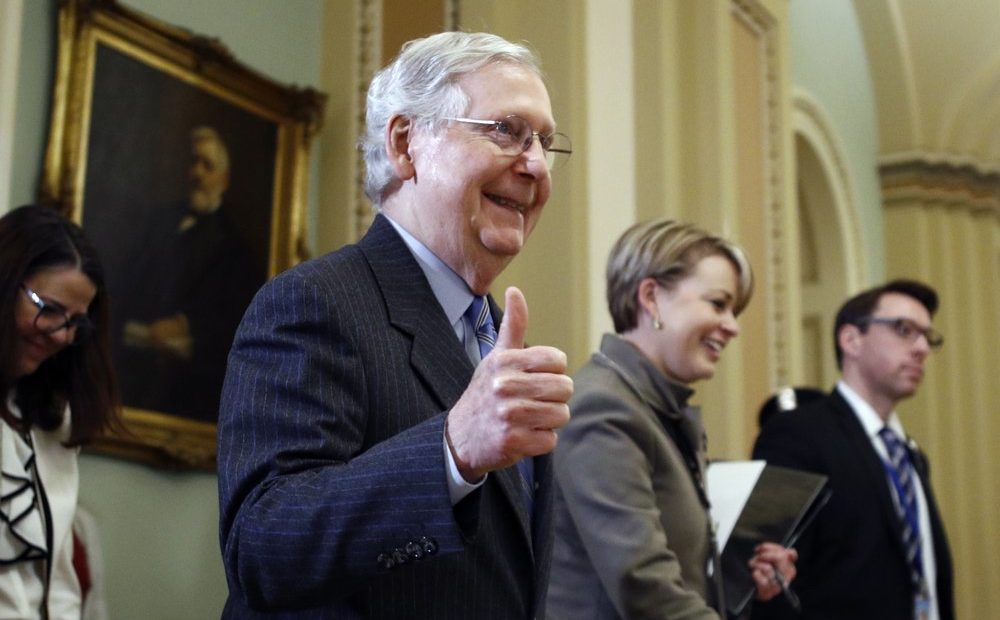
(421, 84)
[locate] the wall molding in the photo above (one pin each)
(811, 122)
(756, 16)
(369, 60)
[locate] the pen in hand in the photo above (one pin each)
(790, 596)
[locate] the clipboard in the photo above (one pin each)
(778, 504)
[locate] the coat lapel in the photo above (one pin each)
(874, 469)
(437, 356)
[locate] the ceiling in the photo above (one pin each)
(936, 71)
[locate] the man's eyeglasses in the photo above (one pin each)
(906, 329)
(514, 136)
(52, 317)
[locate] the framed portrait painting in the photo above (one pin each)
(187, 171)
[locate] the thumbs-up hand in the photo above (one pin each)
(514, 403)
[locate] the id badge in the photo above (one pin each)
(922, 603)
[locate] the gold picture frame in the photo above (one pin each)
(135, 102)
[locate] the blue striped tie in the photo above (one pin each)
(486, 334)
(901, 472)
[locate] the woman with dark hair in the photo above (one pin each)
(633, 535)
(57, 391)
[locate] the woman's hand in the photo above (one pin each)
(771, 566)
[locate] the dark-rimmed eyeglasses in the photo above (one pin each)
(514, 136)
(906, 329)
(52, 317)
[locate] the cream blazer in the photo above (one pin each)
(21, 584)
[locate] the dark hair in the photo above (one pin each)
(34, 238)
(858, 308)
(787, 399)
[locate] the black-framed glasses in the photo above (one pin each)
(514, 136)
(52, 317)
(906, 329)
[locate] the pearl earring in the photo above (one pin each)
(657, 325)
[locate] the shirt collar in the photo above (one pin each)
(448, 287)
(866, 414)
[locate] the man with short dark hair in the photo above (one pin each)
(878, 550)
(383, 451)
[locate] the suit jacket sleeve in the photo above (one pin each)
(308, 499)
(604, 466)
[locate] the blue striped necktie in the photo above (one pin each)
(901, 474)
(486, 334)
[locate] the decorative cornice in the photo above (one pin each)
(963, 186)
(933, 158)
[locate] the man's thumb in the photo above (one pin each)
(515, 320)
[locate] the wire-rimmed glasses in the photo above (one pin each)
(514, 136)
(907, 330)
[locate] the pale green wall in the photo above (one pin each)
(32, 101)
(160, 529)
(830, 63)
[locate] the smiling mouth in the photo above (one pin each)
(715, 346)
(506, 202)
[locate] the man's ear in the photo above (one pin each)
(397, 146)
(849, 339)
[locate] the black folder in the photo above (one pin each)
(781, 505)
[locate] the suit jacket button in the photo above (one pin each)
(415, 551)
(429, 544)
(385, 561)
(399, 556)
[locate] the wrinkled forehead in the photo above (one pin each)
(502, 89)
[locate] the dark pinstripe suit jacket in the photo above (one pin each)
(851, 559)
(332, 481)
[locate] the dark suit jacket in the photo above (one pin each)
(205, 273)
(332, 477)
(851, 559)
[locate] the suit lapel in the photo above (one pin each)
(437, 356)
(874, 469)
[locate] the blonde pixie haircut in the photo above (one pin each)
(667, 251)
